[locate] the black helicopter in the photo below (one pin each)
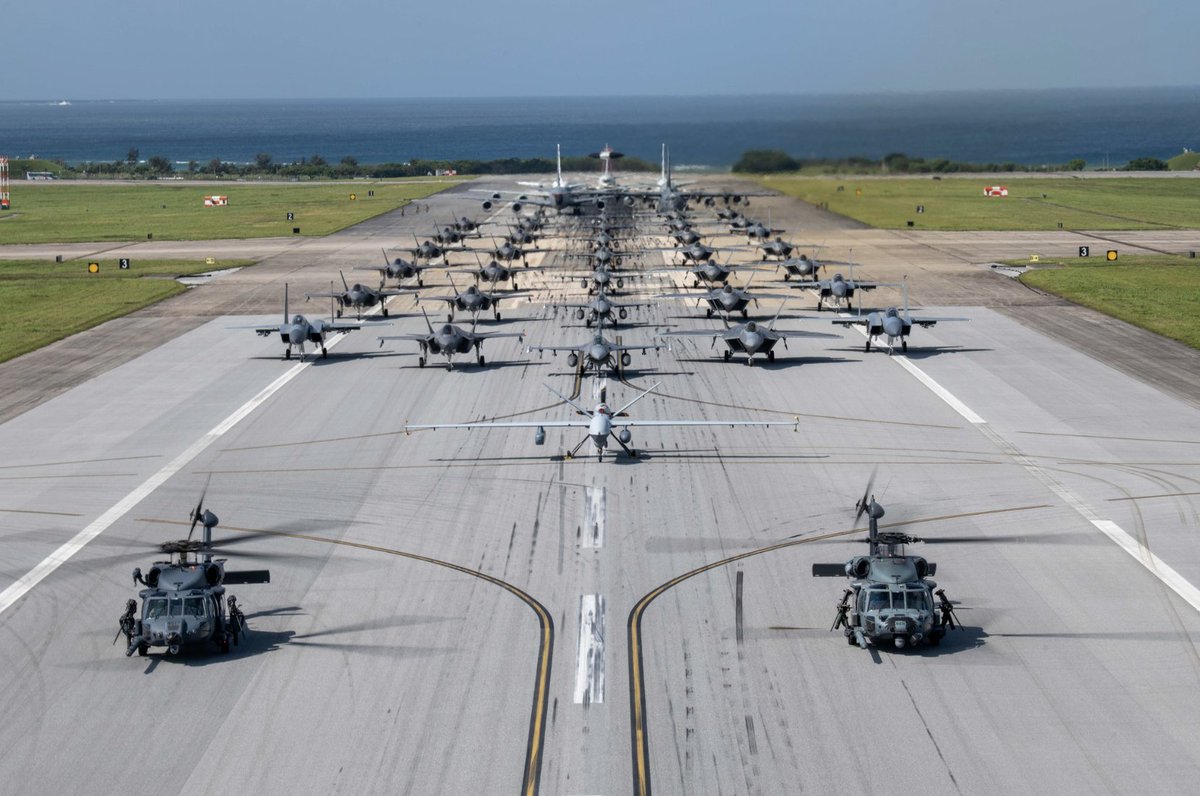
(891, 599)
(184, 602)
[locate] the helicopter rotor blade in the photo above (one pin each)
(864, 502)
(197, 513)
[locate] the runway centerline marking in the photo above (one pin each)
(33, 577)
(589, 662)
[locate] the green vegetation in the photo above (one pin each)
(65, 212)
(1158, 293)
(1186, 161)
(1033, 203)
(314, 167)
(765, 161)
(1145, 164)
(46, 301)
(774, 161)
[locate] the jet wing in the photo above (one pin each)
(556, 348)
(490, 335)
(927, 321)
(860, 320)
(694, 333)
(800, 333)
(447, 299)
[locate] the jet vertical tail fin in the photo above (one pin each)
(285, 302)
(558, 158)
(343, 276)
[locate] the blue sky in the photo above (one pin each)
(148, 49)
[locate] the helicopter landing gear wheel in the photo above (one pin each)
(850, 637)
(143, 649)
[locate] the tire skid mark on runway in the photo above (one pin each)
(937, 748)
(79, 461)
(639, 734)
(537, 720)
(60, 556)
(1136, 548)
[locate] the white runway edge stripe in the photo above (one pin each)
(1142, 554)
(63, 554)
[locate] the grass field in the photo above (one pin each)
(68, 212)
(1034, 203)
(45, 301)
(1161, 294)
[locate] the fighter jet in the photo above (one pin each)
(892, 324)
(601, 309)
(776, 248)
(472, 300)
(598, 353)
(429, 251)
(492, 273)
(603, 278)
(839, 291)
(726, 300)
(602, 424)
(296, 330)
(359, 296)
(449, 340)
(397, 269)
(749, 338)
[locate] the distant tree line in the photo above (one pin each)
(317, 167)
(764, 161)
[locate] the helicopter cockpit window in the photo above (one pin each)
(918, 600)
(176, 606)
(878, 601)
(193, 606)
(156, 608)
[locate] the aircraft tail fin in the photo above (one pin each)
(343, 276)
(428, 325)
(285, 302)
(771, 326)
(558, 158)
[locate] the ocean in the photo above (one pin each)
(1102, 126)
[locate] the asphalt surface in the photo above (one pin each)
(520, 622)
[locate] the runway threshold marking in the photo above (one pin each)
(1160, 569)
(21, 586)
(639, 734)
(537, 720)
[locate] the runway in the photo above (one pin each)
(467, 612)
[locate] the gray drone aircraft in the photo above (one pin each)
(748, 338)
(891, 599)
(472, 300)
(892, 324)
(296, 330)
(359, 297)
(598, 353)
(602, 424)
(602, 308)
(448, 340)
(184, 601)
(398, 269)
